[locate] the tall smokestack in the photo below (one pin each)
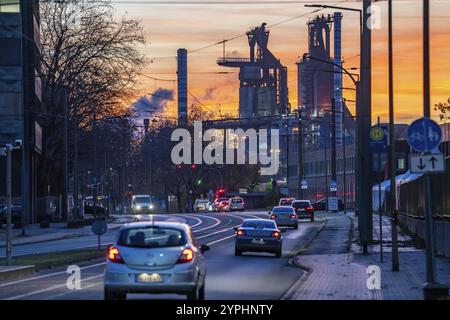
(182, 86)
(337, 18)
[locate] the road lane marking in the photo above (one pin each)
(183, 217)
(21, 296)
(47, 275)
(209, 227)
(219, 240)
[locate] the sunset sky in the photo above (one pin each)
(172, 26)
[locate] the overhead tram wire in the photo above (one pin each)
(222, 42)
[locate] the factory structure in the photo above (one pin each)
(264, 101)
(263, 79)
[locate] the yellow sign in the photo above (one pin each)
(376, 134)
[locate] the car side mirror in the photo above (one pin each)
(204, 248)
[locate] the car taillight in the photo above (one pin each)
(309, 208)
(186, 256)
(114, 255)
(293, 216)
(276, 234)
(240, 233)
(273, 216)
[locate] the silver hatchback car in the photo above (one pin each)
(155, 257)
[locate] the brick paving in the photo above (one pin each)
(343, 275)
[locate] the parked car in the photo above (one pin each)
(155, 257)
(285, 201)
(284, 216)
(236, 204)
(16, 212)
(89, 209)
(322, 204)
(303, 209)
(141, 204)
(258, 235)
(200, 205)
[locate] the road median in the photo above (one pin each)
(50, 260)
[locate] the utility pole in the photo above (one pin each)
(65, 157)
(432, 289)
(75, 166)
(333, 144)
(344, 163)
(300, 155)
(8, 149)
(392, 158)
(364, 119)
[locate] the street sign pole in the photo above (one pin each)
(379, 210)
(8, 207)
(379, 205)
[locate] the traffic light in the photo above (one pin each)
(220, 192)
(194, 166)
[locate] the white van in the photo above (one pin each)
(141, 204)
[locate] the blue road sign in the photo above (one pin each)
(99, 226)
(379, 138)
(424, 135)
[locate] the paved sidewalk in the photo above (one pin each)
(343, 275)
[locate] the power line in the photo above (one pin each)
(222, 42)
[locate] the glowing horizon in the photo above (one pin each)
(169, 27)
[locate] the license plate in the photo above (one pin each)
(258, 241)
(153, 277)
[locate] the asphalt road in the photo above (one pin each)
(250, 276)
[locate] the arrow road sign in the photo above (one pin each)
(424, 135)
(432, 163)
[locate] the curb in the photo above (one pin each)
(307, 270)
(8, 273)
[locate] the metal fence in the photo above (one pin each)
(412, 197)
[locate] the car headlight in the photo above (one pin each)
(150, 206)
(138, 207)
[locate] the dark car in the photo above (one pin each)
(322, 204)
(16, 212)
(258, 235)
(303, 209)
(89, 209)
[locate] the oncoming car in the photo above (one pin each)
(200, 205)
(158, 257)
(284, 216)
(141, 204)
(258, 235)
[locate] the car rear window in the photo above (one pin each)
(151, 237)
(236, 200)
(285, 202)
(300, 204)
(281, 210)
(259, 224)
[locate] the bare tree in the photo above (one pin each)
(93, 57)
